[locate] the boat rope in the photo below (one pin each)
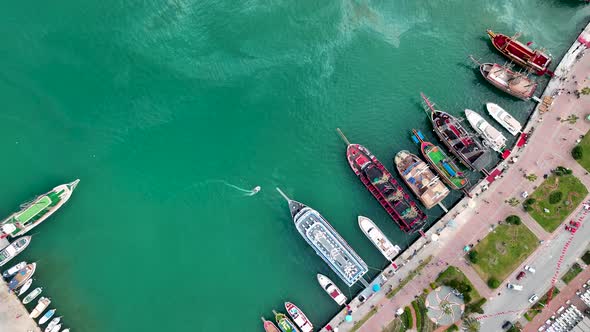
(342, 136)
(374, 268)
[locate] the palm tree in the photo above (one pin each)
(513, 201)
(471, 324)
(531, 177)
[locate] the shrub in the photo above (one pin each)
(555, 197)
(473, 256)
(475, 307)
(452, 328)
(466, 297)
(433, 285)
(418, 315)
(577, 152)
(530, 201)
(407, 317)
(493, 283)
(586, 257)
(513, 220)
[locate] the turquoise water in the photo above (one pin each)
(151, 104)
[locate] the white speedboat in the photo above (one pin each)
(25, 287)
(331, 289)
(378, 239)
(492, 136)
(13, 270)
(504, 118)
(56, 328)
(52, 324)
(299, 317)
(66, 330)
(14, 249)
(47, 316)
(32, 295)
(41, 306)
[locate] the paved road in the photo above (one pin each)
(545, 262)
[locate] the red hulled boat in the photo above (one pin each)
(516, 51)
(385, 189)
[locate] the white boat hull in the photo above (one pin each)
(332, 290)
(492, 137)
(379, 240)
(504, 118)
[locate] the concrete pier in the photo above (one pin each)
(13, 314)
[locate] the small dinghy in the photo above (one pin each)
(47, 316)
(56, 328)
(25, 287)
(22, 276)
(41, 306)
(52, 324)
(13, 270)
(32, 295)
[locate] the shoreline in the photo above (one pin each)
(419, 251)
(13, 314)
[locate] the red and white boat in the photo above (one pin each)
(332, 290)
(298, 317)
(535, 60)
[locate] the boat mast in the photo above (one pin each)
(474, 60)
(342, 136)
(428, 104)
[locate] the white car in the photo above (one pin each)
(514, 286)
(530, 269)
(524, 194)
(533, 298)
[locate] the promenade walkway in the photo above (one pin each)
(549, 146)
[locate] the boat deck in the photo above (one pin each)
(516, 83)
(423, 182)
(440, 159)
(37, 207)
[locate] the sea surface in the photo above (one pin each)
(161, 107)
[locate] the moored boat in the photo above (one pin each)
(25, 287)
(47, 316)
(504, 118)
(535, 60)
(52, 324)
(13, 249)
(420, 179)
(492, 136)
(56, 328)
(332, 290)
(298, 317)
(32, 295)
(35, 212)
(269, 326)
(326, 242)
(41, 306)
(458, 140)
(513, 83)
(446, 168)
(13, 270)
(284, 323)
(379, 181)
(379, 240)
(68, 330)
(22, 276)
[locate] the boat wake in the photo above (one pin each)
(246, 192)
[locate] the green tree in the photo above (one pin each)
(513, 220)
(577, 152)
(470, 324)
(555, 197)
(493, 283)
(473, 257)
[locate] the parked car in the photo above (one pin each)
(533, 298)
(514, 286)
(520, 275)
(507, 325)
(571, 229)
(524, 194)
(530, 269)
(575, 223)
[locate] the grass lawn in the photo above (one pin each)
(453, 273)
(585, 144)
(501, 251)
(572, 273)
(395, 326)
(573, 192)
